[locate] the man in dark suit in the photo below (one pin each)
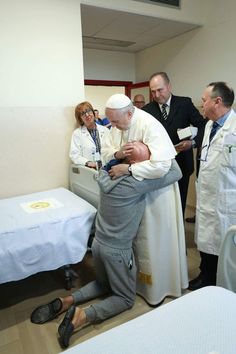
(175, 112)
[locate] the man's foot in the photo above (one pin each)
(66, 328)
(74, 317)
(48, 312)
(191, 220)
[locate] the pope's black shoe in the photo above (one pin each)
(200, 282)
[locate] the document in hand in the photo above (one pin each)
(187, 133)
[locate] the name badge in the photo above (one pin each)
(97, 156)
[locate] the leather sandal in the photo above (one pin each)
(48, 312)
(66, 328)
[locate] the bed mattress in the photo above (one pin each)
(42, 231)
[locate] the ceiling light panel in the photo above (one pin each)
(105, 41)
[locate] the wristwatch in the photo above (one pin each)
(130, 170)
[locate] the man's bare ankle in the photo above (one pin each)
(67, 302)
(80, 318)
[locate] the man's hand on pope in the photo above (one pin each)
(118, 170)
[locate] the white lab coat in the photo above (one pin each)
(82, 148)
(216, 187)
(160, 244)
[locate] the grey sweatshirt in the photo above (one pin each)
(121, 205)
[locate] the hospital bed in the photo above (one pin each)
(226, 269)
(83, 183)
(201, 322)
(43, 231)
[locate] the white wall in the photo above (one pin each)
(109, 65)
(41, 79)
(197, 57)
(106, 65)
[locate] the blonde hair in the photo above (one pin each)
(79, 109)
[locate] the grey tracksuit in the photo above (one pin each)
(120, 210)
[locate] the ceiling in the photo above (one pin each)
(125, 32)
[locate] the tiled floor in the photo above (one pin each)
(19, 336)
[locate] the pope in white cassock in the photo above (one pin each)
(160, 243)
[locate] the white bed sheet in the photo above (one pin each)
(34, 239)
(201, 322)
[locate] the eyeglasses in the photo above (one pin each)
(87, 111)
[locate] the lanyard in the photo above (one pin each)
(95, 136)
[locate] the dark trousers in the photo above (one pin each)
(183, 188)
(208, 267)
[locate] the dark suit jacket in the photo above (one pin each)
(182, 114)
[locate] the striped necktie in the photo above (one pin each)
(214, 128)
(163, 111)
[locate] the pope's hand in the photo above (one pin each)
(125, 151)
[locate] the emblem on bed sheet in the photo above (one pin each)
(41, 205)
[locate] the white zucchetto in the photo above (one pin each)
(118, 101)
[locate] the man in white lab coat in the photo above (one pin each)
(161, 240)
(216, 186)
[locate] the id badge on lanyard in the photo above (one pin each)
(97, 156)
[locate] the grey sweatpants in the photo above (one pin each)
(116, 276)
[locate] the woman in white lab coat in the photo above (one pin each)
(86, 141)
